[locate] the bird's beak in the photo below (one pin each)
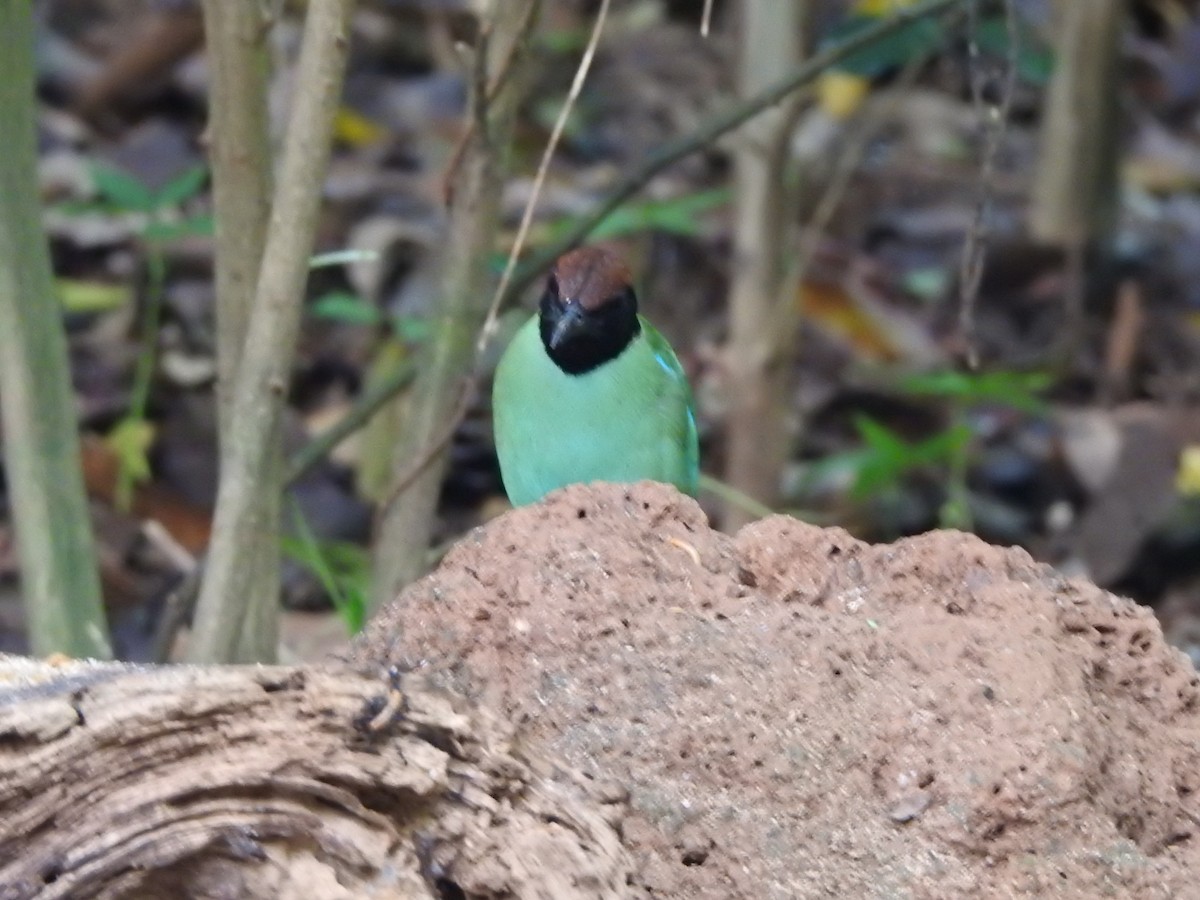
(572, 319)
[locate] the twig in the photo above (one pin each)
(994, 121)
(487, 330)
(706, 18)
(560, 124)
(373, 398)
(847, 164)
(494, 87)
(430, 452)
(727, 493)
(403, 529)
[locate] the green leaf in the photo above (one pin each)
(130, 440)
(411, 329)
(182, 187)
(78, 296)
(343, 569)
(342, 306)
(1035, 60)
(889, 457)
(122, 190)
(341, 257)
(897, 48)
(194, 226)
(885, 460)
(1014, 389)
(676, 215)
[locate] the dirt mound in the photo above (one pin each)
(798, 714)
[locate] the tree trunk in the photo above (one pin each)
(1075, 186)
(402, 543)
(277, 782)
(59, 582)
(760, 337)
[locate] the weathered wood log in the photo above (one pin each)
(124, 781)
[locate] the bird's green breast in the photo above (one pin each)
(628, 419)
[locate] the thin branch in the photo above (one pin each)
(560, 124)
(994, 122)
(494, 87)
(706, 18)
(403, 528)
(431, 451)
(373, 398)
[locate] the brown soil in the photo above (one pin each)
(798, 714)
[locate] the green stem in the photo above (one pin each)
(956, 510)
(60, 584)
(732, 496)
(143, 375)
(372, 398)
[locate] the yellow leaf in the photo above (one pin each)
(1187, 477)
(880, 8)
(355, 129)
(130, 439)
(841, 94)
(829, 308)
(91, 296)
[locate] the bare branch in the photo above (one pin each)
(993, 120)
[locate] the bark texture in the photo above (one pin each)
(119, 781)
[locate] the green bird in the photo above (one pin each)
(588, 390)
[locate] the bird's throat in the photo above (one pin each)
(580, 347)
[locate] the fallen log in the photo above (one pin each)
(128, 781)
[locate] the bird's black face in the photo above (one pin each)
(579, 336)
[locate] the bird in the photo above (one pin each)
(588, 390)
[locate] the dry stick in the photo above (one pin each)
(539, 180)
(994, 121)
(466, 394)
(488, 328)
(847, 164)
(656, 162)
(246, 461)
(494, 88)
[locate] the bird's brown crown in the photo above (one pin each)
(591, 275)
